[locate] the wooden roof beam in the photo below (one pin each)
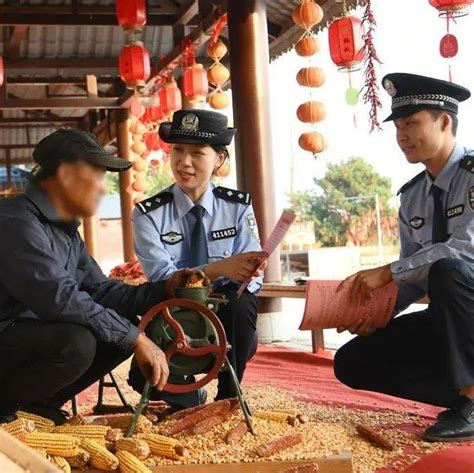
(60, 103)
(87, 63)
(64, 81)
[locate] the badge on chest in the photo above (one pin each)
(417, 222)
(455, 211)
(171, 238)
(230, 232)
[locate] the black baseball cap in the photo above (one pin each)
(72, 145)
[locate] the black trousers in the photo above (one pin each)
(425, 356)
(239, 318)
(49, 363)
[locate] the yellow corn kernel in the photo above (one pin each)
(76, 420)
(129, 463)
(41, 423)
(81, 460)
(101, 458)
(60, 445)
(18, 427)
(135, 446)
(61, 463)
(123, 422)
(164, 446)
(89, 431)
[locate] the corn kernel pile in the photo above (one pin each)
(197, 281)
(286, 429)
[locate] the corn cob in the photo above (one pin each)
(164, 446)
(189, 421)
(281, 443)
(303, 418)
(276, 416)
(307, 468)
(60, 445)
(123, 422)
(135, 446)
(93, 432)
(81, 460)
(129, 463)
(61, 463)
(18, 427)
(100, 457)
(208, 424)
(41, 423)
(76, 420)
(374, 437)
(113, 435)
(185, 412)
(235, 435)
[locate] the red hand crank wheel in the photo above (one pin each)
(180, 344)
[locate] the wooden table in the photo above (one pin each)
(293, 291)
(341, 463)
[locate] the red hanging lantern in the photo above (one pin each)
(346, 43)
(134, 65)
(152, 114)
(1, 71)
(196, 86)
(452, 8)
(131, 14)
(152, 141)
(170, 97)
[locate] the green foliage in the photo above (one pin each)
(339, 221)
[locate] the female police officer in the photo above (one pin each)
(195, 224)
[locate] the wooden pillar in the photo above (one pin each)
(91, 224)
(125, 180)
(249, 61)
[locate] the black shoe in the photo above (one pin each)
(178, 401)
(455, 424)
(57, 415)
(458, 403)
(6, 417)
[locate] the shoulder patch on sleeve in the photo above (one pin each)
(411, 182)
(233, 195)
(154, 202)
(467, 163)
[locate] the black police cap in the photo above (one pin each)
(197, 127)
(411, 93)
(72, 145)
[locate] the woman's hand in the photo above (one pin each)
(238, 267)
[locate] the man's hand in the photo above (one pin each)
(152, 362)
(178, 279)
(360, 286)
(364, 282)
(238, 267)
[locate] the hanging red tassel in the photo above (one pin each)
(217, 28)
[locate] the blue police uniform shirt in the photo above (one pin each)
(163, 224)
(416, 222)
(48, 275)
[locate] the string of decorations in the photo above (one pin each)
(371, 88)
(306, 15)
(450, 10)
(217, 73)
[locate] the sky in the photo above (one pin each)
(407, 40)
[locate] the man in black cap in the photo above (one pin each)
(426, 356)
(63, 324)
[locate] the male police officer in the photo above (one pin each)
(425, 356)
(63, 325)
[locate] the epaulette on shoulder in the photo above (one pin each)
(154, 202)
(233, 195)
(467, 163)
(407, 185)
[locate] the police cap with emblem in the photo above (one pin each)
(411, 93)
(73, 145)
(197, 127)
